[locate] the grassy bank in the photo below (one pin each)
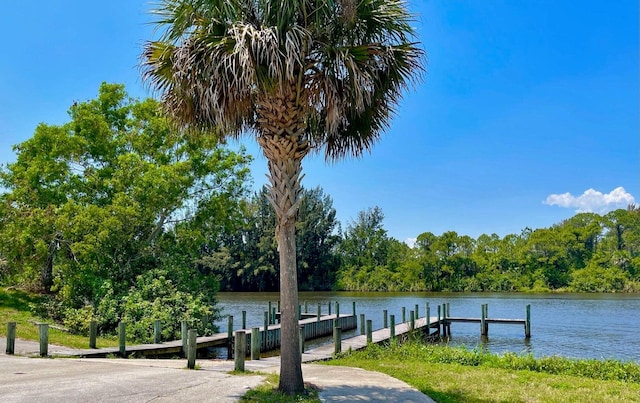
(17, 306)
(450, 374)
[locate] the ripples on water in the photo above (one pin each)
(599, 326)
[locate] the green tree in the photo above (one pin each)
(95, 204)
(302, 76)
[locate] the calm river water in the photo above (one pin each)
(597, 326)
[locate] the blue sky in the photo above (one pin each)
(528, 111)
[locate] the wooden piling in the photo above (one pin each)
(428, 317)
(362, 322)
(444, 320)
(271, 318)
(302, 339)
(439, 323)
(299, 311)
(266, 331)
(483, 320)
(157, 331)
(369, 331)
(448, 305)
(319, 312)
(244, 319)
(385, 323)
(184, 335)
(274, 316)
(43, 330)
(392, 327)
(192, 348)
(412, 321)
(337, 338)
(527, 324)
(240, 350)
(230, 336)
(255, 343)
(417, 315)
(329, 306)
(11, 338)
(337, 309)
(122, 338)
(404, 314)
(93, 333)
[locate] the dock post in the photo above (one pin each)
(412, 321)
(483, 320)
(93, 333)
(122, 339)
(271, 318)
(527, 324)
(392, 327)
(369, 331)
(337, 309)
(299, 311)
(362, 322)
(427, 316)
(192, 348)
(319, 312)
(183, 334)
(337, 337)
(302, 338)
(417, 315)
(444, 320)
(486, 315)
(255, 343)
(230, 337)
(329, 305)
(354, 308)
(157, 331)
(306, 307)
(244, 319)
(439, 323)
(266, 331)
(448, 316)
(385, 322)
(11, 338)
(240, 350)
(404, 314)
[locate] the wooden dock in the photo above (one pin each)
(270, 340)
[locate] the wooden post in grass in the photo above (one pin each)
(392, 327)
(191, 348)
(369, 331)
(255, 343)
(527, 324)
(11, 338)
(362, 322)
(43, 330)
(93, 333)
(240, 350)
(122, 338)
(337, 337)
(385, 322)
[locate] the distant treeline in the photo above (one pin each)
(115, 216)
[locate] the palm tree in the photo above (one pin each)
(301, 76)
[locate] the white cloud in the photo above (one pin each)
(411, 242)
(592, 201)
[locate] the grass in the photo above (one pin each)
(450, 374)
(268, 392)
(16, 306)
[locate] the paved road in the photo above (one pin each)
(25, 379)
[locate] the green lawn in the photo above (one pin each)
(16, 306)
(454, 375)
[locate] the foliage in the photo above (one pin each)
(112, 195)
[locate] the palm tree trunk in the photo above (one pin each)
(281, 140)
